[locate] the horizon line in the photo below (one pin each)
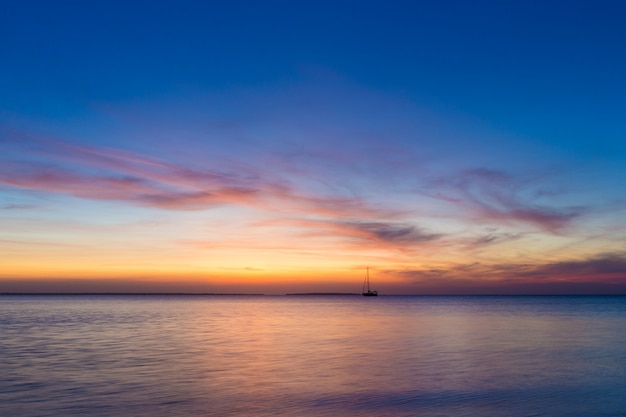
(298, 294)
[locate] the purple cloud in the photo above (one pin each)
(607, 264)
(604, 268)
(494, 196)
(396, 233)
(492, 238)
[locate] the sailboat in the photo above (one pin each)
(366, 286)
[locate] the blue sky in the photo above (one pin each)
(394, 133)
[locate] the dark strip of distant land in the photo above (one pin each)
(128, 293)
(180, 293)
(323, 293)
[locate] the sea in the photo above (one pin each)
(312, 355)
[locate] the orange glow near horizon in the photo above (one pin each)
(193, 254)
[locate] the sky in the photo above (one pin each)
(453, 147)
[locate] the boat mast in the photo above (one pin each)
(366, 284)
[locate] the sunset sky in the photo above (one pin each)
(454, 147)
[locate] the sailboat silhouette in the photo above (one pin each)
(366, 286)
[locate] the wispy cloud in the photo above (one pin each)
(19, 206)
(113, 174)
(606, 264)
(395, 233)
(601, 268)
(301, 204)
(490, 238)
(358, 234)
(497, 197)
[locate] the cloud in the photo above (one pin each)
(97, 173)
(19, 206)
(396, 233)
(199, 200)
(603, 268)
(491, 238)
(50, 178)
(497, 197)
(609, 264)
(357, 234)
(143, 191)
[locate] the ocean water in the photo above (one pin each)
(312, 356)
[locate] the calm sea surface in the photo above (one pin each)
(312, 356)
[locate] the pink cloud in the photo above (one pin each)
(114, 174)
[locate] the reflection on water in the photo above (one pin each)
(312, 356)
